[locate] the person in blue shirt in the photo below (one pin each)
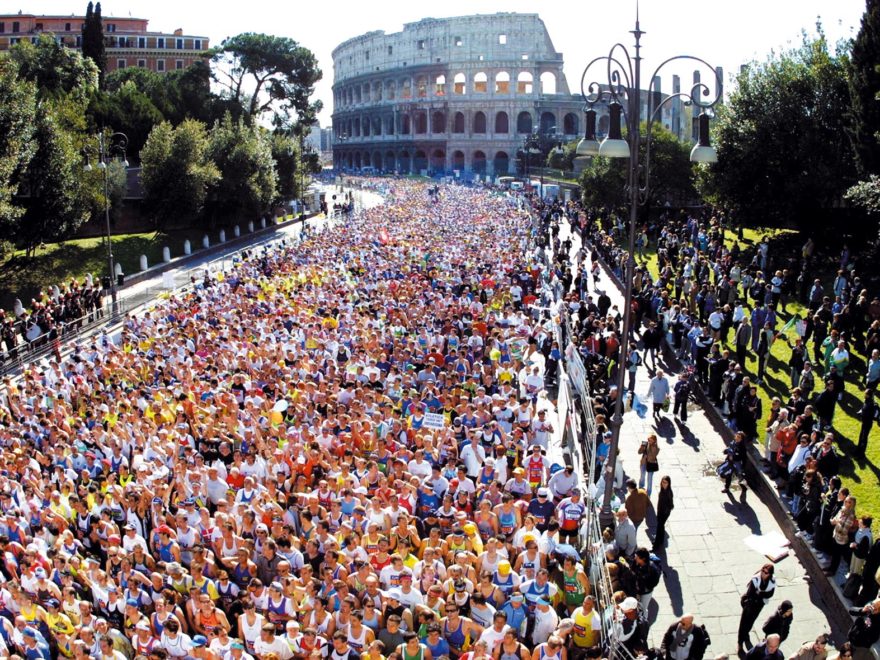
(35, 645)
(515, 611)
(435, 643)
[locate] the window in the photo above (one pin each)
(15, 26)
(421, 44)
(120, 64)
(525, 57)
(142, 64)
(390, 50)
(2, 27)
(67, 27)
(481, 58)
(457, 41)
(160, 42)
(13, 41)
(178, 64)
(79, 41)
(198, 44)
(179, 44)
(111, 27)
(366, 55)
(142, 42)
(502, 39)
(160, 65)
(38, 26)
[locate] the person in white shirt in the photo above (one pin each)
(562, 483)
(473, 456)
(131, 539)
(269, 643)
(418, 466)
(494, 634)
(541, 430)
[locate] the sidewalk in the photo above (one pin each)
(715, 539)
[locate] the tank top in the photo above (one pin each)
(358, 643)
(485, 528)
(165, 552)
(241, 575)
(210, 623)
(546, 656)
(573, 589)
(531, 566)
(417, 656)
(535, 470)
(277, 613)
(229, 551)
(455, 638)
(251, 632)
(514, 655)
(582, 634)
(506, 587)
(373, 624)
(507, 521)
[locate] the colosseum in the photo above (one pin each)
(450, 94)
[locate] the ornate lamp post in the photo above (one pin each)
(115, 143)
(623, 92)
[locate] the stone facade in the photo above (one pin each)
(450, 94)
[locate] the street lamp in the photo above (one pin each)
(115, 143)
(530, 147)
(623, 92)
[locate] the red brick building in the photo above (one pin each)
(129, 42)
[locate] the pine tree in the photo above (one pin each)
(93, 40)
(864, 86)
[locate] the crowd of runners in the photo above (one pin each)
(336, 450)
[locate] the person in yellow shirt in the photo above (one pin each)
(57, 620)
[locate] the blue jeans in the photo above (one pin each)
(642, 472)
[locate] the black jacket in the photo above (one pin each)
(697, 640)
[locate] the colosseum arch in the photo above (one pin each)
(389, 125)
(458, 160)
(440, 85)
(421, 87)
(404, 164)
(524, 122)
(357, 93)
(377, 160)
(524, 83)
(420, 161)
(548, 123)
(357, 159)
(357, 127)
(478, 162)
(438, 122)
(366, 93)
(438, 160)
(404, 124)
(570, 124)
(459, 85)
(548, 82)
(406, 88)
(458, 123)
(481, 83)
(502, 123)
(502, 82)
(479, 122)
(604, 122)
(389, 161)
(377, 90)
(502, 163)
(390, 90)
(365, 127)
(377, 126)
(420, 123)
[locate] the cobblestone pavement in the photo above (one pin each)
(709, 556)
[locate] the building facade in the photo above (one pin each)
(450, 94)
(462, 94)
(128, 40)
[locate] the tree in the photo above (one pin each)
(864, 86)
(866, 194)
(781, 160)
(55, 70)
(177, 172)
(265, 73)
(58, 198)
(564, 160)
(17, 114)
(671, 180)
(126, 109)
(248, 181)
(93, 40)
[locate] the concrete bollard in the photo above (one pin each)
(118, 268)
(263, 222)
(250, 226)
(187, 247)
(206, 242)
(222, 235)
(166, 254)
(144, 264)
(236, 231)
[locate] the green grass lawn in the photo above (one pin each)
(861, 476)
(56, 263)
